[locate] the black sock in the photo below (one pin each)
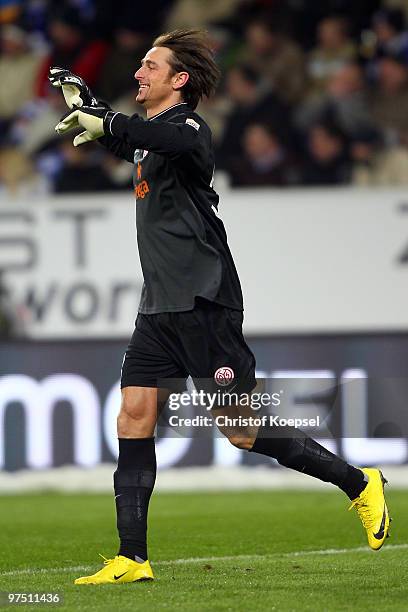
(354, 482)
(134, 481)
(303, 454)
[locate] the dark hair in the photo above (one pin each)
(341, 20)
(192, 53)
(267, 127)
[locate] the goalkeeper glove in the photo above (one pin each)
(76, 92)
(95, 119)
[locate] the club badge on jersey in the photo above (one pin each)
(139, 155)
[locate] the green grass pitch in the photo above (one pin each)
(275, 550)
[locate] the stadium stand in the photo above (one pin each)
(308, 97)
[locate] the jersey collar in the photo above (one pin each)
(164, 112)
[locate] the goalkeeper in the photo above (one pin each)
(191, 310)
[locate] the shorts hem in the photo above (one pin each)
(138, 383)
(177, 387)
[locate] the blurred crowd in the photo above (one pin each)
(313, 93)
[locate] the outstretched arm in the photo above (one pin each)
(176, 138)
(162, 137)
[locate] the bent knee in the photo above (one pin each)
(130, 409)
(134, 420)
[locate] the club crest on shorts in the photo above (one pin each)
(224, 376)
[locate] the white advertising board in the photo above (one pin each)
(327, 260)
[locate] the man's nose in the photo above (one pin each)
(140, 73)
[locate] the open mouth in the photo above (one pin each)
(143, 87)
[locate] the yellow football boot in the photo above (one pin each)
(372, 509)
(118, 571)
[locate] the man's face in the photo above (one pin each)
(156, 81)
(392, 75)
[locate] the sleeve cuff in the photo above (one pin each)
(116, 124)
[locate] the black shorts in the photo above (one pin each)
(205, 343)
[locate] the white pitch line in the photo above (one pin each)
(47, 570)
(295, 553)
(342, 551)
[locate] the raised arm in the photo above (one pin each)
(174, 138)
(181, 137)
(77, 95)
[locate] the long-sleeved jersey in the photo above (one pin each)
(182, 242)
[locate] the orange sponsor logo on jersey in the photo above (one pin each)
(142, 189)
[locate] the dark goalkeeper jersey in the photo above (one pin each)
(182, 242)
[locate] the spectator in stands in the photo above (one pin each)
(215, 111)
(116, 78)
(72, 48)
(266, 84)
(199, 14)
(146, 18)
(265, 161)
(399, 4)
(251, 101)
(83, 170)
(344, 101)
(375, 165)
(18, 177)
(306, 14)
(34, 125)
(389, 100)
(334, 49)
(132, 30)
(34, 19)
(18, 70)
(392, 37)
(277, 58)
(327, 161)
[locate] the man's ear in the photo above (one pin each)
(180, 79)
